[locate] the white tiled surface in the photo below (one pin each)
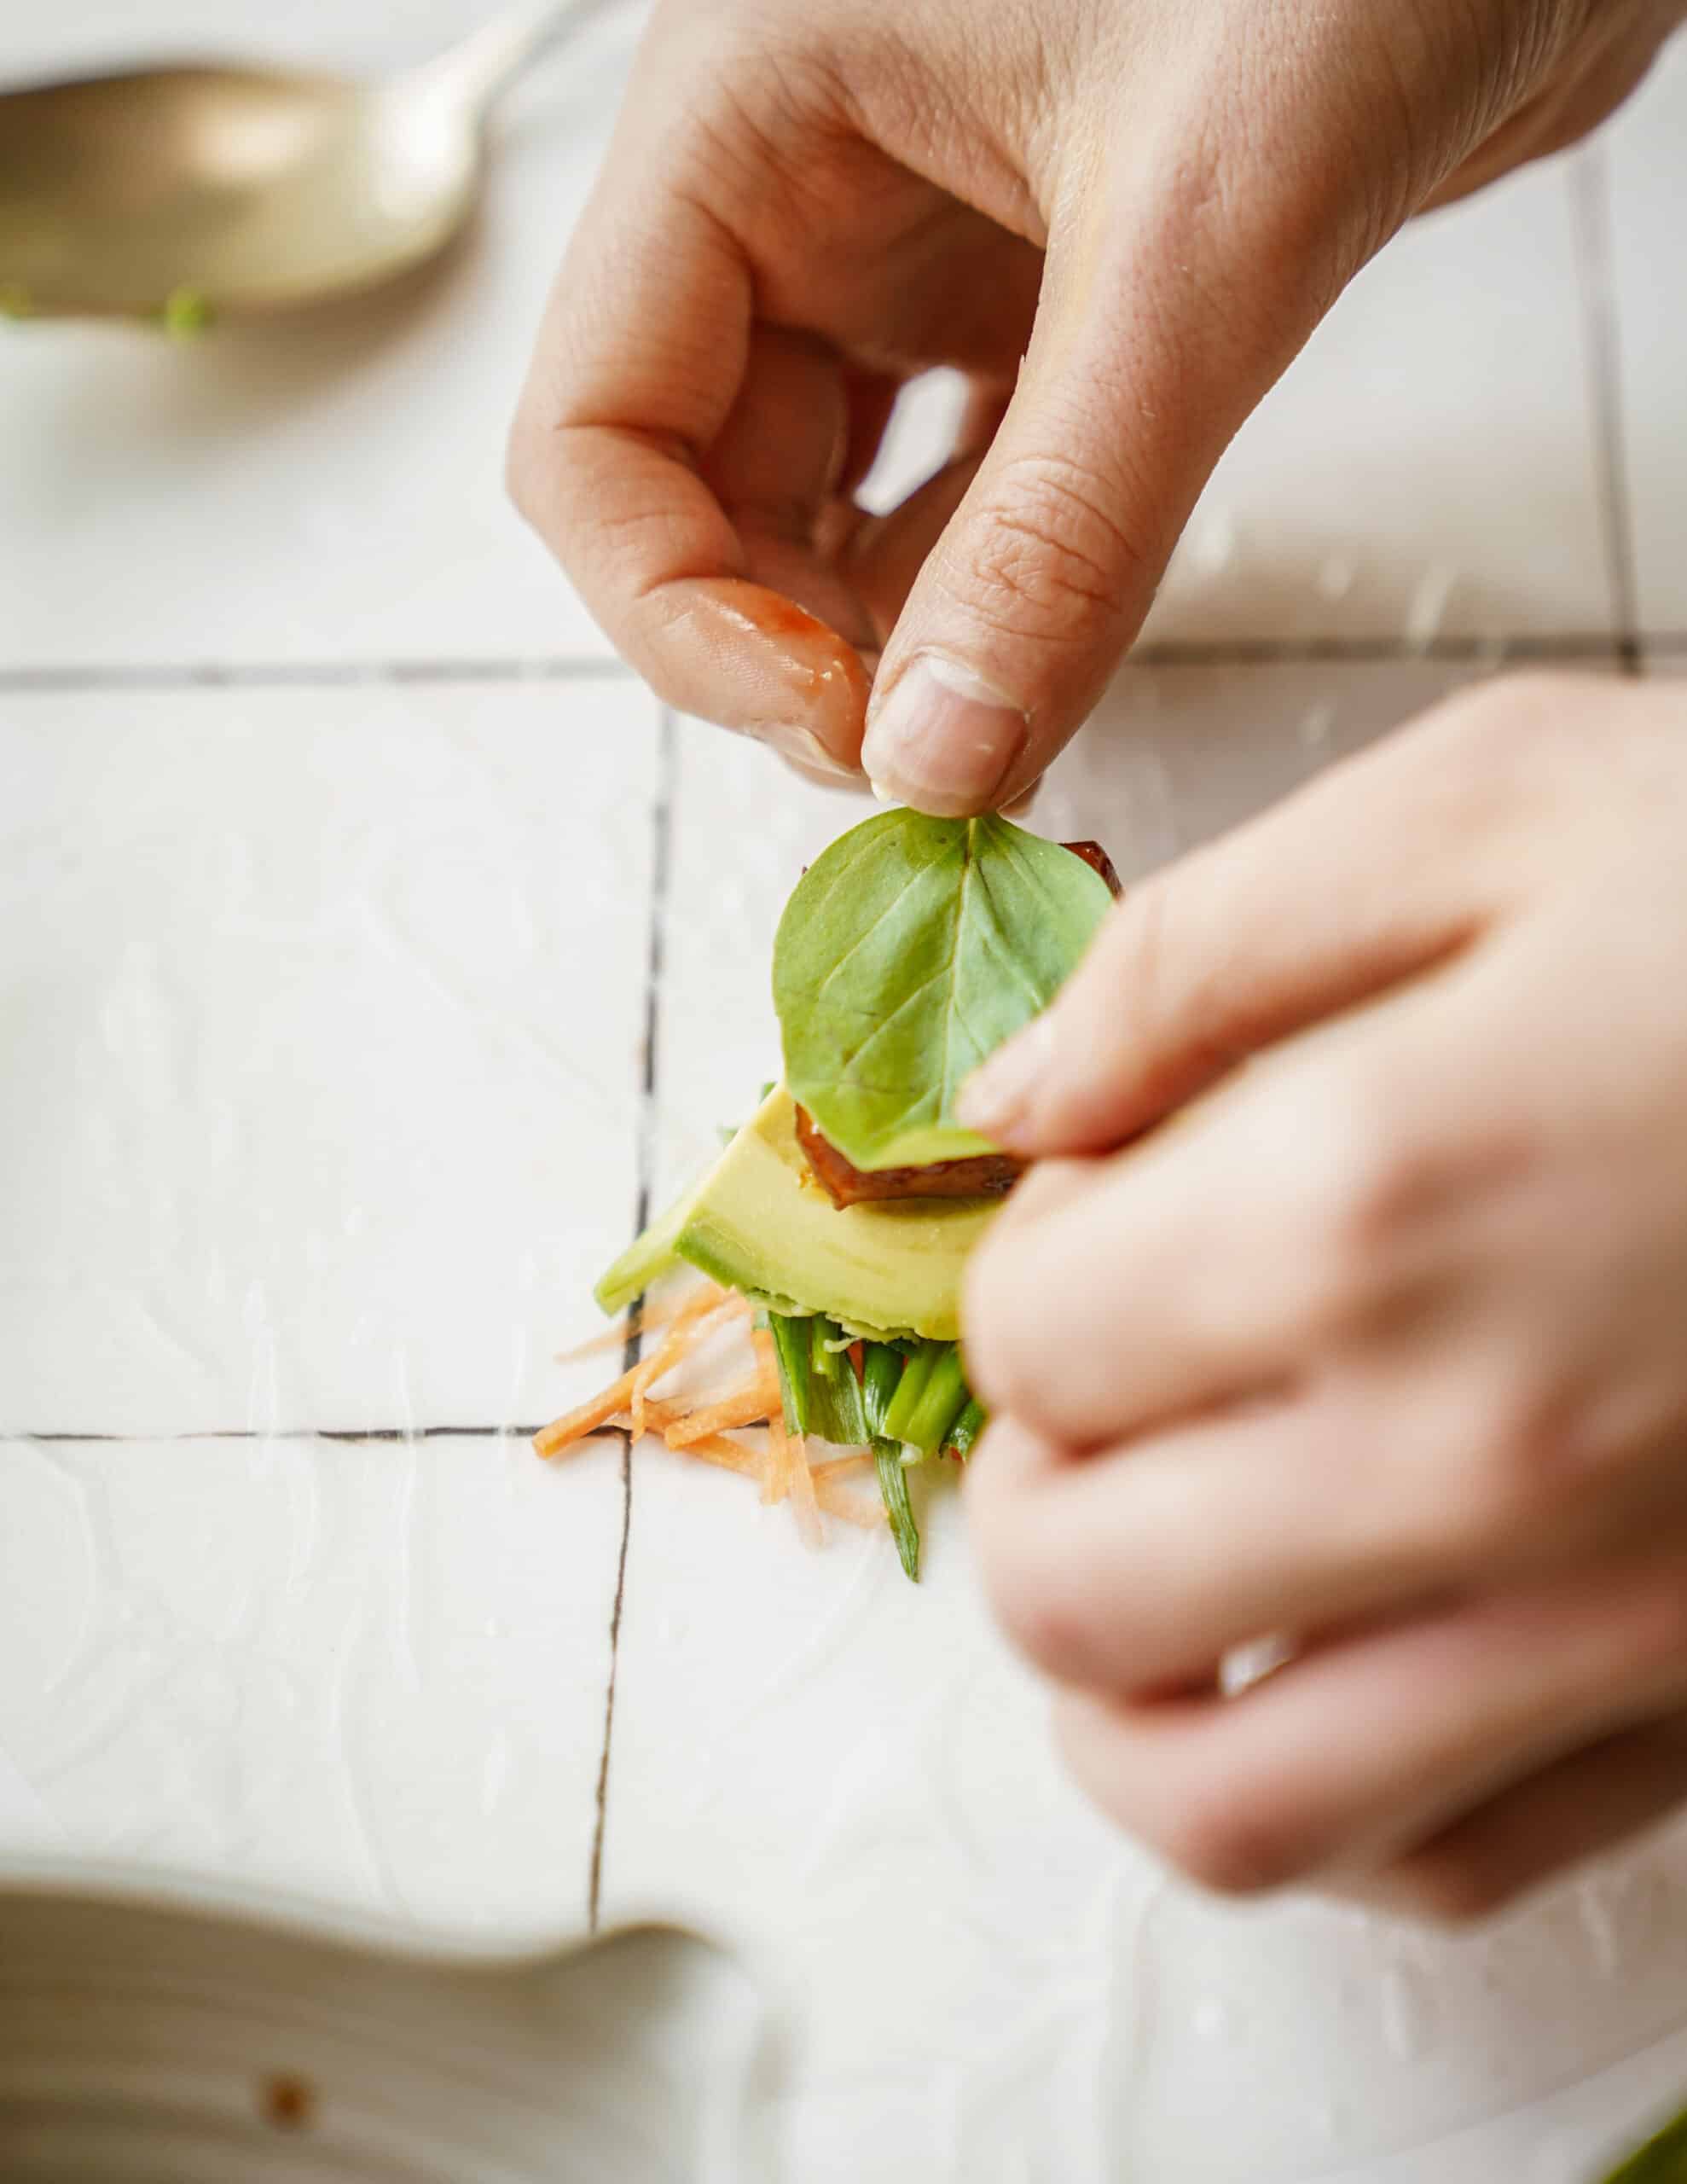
(1407, 476)
(323, 1004)
(330, 1047)
(374, 1671)
(1648, 168)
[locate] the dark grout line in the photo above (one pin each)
(1589, 186)
(306, 675)
(1364, 651)
(662, 839)
(49, 681)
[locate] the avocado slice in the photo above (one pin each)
(645, 1261)
(759, 1222)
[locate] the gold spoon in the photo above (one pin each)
(226, 189)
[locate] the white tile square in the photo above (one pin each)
(373, 1672)
(1647, 157)
(1427, 468)
(1177, 754)
(328, 487)
(324, 1014)
(846, 1776)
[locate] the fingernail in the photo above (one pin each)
(803, 748)
(998, 1097)
(943, 739)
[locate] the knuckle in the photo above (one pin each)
(1149, 996)
(988, 1318)
(1158, 1013)
(1501, 752)
(1023, 1581)
(1655, 1610)
(1489, 720)
(1529, 1464)
(1011, 1325)
(1515, 1477)
(1051, 561)
(1037, 1612)
(1229, 1827)
(1235, 1842)
(1347, 1165)
(1372, 1172)
(1517, 702)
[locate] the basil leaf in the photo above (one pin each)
(910, 950)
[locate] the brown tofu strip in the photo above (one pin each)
(991, 1174)
(1098, 860)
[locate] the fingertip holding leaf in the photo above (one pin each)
(997, 1097)
(913, 947)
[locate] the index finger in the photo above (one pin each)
(1388, 863)
(641, 356)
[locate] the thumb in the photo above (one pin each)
(1377, 871)
(1172, 301)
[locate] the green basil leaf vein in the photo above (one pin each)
(910, 949)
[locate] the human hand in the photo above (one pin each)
(1382, 1345)
(1150, 204)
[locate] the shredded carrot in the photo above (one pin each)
(659, 1416)
(730, 1455)
(627, 1392)
(838, 1499)
(745, 1406)
(615, 1336)
(858, 1357)
(711, 1448)
(840, 1503)
(702, 1431)
(844, 1467)
(562, 1433)
(803, 1493)
(777, 1484)
(680, 1337)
